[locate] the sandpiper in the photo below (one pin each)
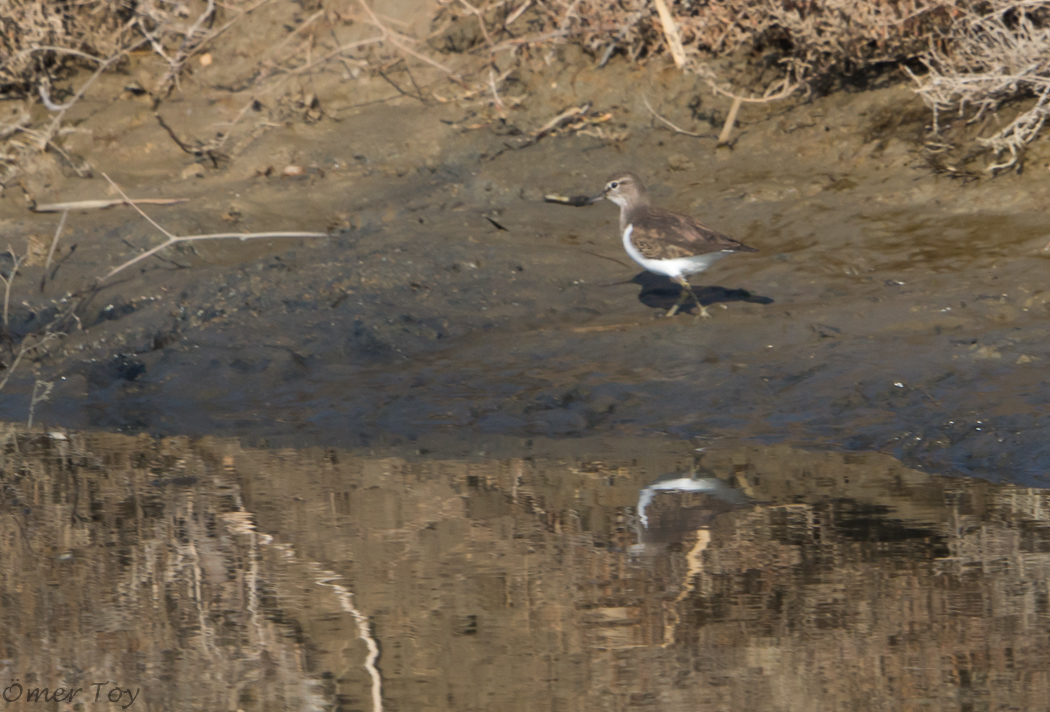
(663, 241)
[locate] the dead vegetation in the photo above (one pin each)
(44, 41)
(824, 36)
(996, 54)
(42, 44)
(969, 58)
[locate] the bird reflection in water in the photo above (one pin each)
(674, 523)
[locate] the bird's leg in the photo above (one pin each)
(687, 293)
(682, 299)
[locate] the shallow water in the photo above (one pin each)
(515, 575)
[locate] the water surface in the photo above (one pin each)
(516, 576)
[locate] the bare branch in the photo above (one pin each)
(676, 129)
(102, 204)
(215, 236)
(172, 239)
(54, 243)
(9, 280)
(131, 202)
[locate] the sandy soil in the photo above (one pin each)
(889, 309)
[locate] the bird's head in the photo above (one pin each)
(623, 189)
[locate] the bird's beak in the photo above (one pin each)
(596, 199)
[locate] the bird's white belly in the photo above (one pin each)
(678, 267)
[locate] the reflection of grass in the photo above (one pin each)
(9, 279)
(28, 345)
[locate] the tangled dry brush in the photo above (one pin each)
(969, 58)
(985, 63)
(43, 41)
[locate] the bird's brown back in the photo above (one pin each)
(664, 235)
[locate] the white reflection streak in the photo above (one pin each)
(346, 598)
(695, 561)
(346, 602)
(684, 483)
(241, 522)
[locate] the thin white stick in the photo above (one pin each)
(675, 128)
(495, 94)
(102, 204)
(53, 48)
(54, 240)
(172, 239)
(517, 13)
(727, 128)
(51, 106)
(216, 236)
(131, 202)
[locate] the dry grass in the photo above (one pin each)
(44, 43)
(39, 39)
(824, 35)
(968, 57)
(995, 54)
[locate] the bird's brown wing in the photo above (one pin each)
(665, 235)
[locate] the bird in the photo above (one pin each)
(663, 241)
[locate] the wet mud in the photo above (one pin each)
(889, 309)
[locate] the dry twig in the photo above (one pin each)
(24, 349)
(727, 127)
(401, 42)
(560, 119)
(54, 245)
(16, 262)
(173, 239)
(101, 204)
(671, 33)
(517, 13)
(676, 129)
(780, 89)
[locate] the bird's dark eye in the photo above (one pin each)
(614, 184)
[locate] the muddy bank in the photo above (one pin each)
(889, 309)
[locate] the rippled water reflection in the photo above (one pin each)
(209, 575)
